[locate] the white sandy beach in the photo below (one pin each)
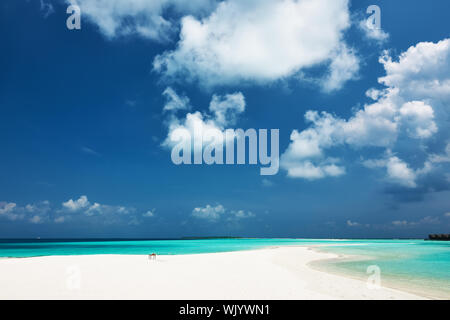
(278, 273)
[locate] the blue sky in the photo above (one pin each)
(82, 126)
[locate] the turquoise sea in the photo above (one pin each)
(417, 265)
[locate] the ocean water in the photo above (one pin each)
(31, 248)
(421, 267)
(416, 265)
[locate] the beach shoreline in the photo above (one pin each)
(275, 273)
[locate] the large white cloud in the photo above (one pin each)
(411, 109)
(262, 41)
(146, 18)
(233, 41)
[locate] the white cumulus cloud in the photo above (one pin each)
(344, 66)
(147, 19)
(413, 107)
(223, 111)
(34, 212)
(215, 213)
(262, 41)
(209, 212)
(399, 171)
(75, 205)
(84, 206)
